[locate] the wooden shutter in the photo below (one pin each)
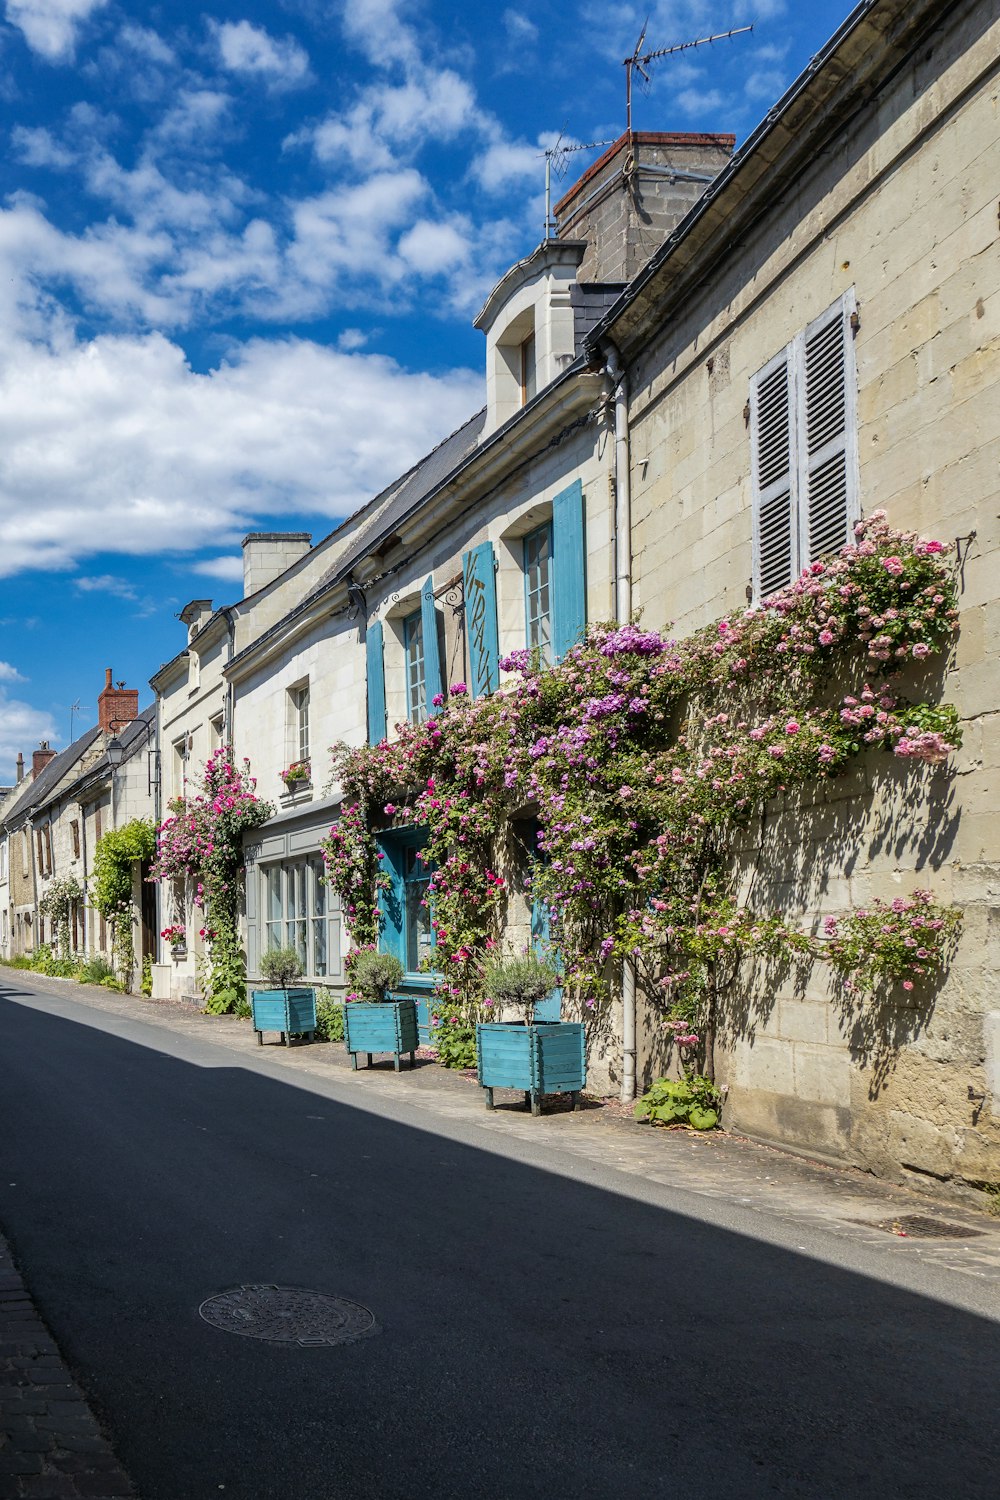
(569, 582)
(375, 660)
(772, 477)
(828, 429)
(479, 574)
(432, 654)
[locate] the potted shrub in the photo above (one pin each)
(375, 1020)
(285, 1007)
(539, 1057)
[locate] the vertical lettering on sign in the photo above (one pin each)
(479, 574)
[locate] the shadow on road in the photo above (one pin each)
(541, 1337)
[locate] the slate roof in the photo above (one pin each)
(36, 791)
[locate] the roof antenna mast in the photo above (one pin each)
(639, 61)
(556, 161)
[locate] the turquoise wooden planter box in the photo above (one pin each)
(388, 1027)
(546, 1058)
(285, 1011)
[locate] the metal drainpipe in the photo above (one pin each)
(622, 538)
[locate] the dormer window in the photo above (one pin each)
(529, 375)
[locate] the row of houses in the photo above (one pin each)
(714, 367)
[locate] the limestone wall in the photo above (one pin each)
(904, 211)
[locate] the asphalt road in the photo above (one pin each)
(544, 1331)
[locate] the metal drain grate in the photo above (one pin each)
(288, 1315)
(919, 1227)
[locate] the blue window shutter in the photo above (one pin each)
(432, 656)
(375, 653)
(569, 587)
(479, 574)
(549, 1009)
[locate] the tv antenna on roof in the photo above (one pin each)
(74, 709)
(555, 161)
(639, 61)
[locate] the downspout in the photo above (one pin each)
(622, 545)
(230, 694)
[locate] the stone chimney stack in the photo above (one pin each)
(116, 706)
(40, 759)
(266, 555)
(627, 203)
(20, 768)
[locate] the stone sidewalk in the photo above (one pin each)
(51, 1447)
(849, 1204)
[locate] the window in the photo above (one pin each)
(803, 445)
(298, 698)
(416, 682)
(217, 731)
(529, 375)
(75, 831)
(295, 913)
(407, 930)
(180, 756)
(538, 591)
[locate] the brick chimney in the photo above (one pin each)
(40, 758)
(116, 706)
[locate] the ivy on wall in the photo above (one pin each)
(115, 857)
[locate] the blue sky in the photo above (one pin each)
(241, 246)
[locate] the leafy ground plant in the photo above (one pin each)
(693, 1101)
(329, 1021)
(454, 1040)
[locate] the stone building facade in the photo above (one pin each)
(869, 197)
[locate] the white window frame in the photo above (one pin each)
(298, 722)
(800, 463)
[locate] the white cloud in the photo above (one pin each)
(230, 569)
(21, 728)
(520, 30)
(37, 147)
(50, 27)
(106, 583)
(351, 339)
(243, 48)
(9, 673)
(432, 247)
(118, 442)
(146, 43)
(506, 163)
(699, 101)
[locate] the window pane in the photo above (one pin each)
(418, 923)
(274, 912)
(416, 698)
(319, 947)
(319, 891)
(537, 577)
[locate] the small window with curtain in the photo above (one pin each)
(416, 681)
(538, 591)
(803, 445)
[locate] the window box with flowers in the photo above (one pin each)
(176, 936)
(297, 779)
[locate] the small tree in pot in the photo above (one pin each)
(285, 1007)
(538, 1057)
(520, 982)
(373, 974)
(376, 1022)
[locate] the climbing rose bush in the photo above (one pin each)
(201, 843)
(644, 759)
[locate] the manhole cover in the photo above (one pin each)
(288, 1315)
(918, 1227)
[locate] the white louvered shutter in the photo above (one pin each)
(772, 459)
(828, 445)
